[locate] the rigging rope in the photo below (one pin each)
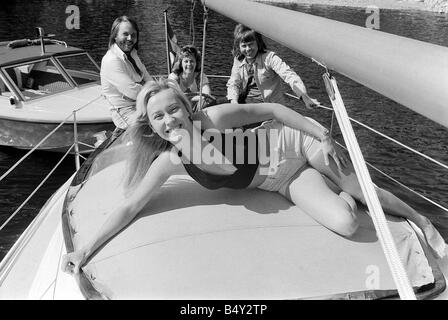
(393, 140)
(192, 39)
(58, 270)
(443, 165)
(36, 189)
(387, 242)
(202, 58)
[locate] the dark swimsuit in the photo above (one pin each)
(240, 179)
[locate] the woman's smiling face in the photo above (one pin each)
(189, 64)
(168, 116)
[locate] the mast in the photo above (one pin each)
(410, 72)
(168, 60)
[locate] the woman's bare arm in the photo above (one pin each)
(236, 115)
(161, 169)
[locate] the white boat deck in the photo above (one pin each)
(193, 243)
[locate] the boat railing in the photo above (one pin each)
(74, 146)
(426, 157)
(379, 133)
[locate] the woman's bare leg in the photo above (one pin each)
(309, 191)
(348, 182)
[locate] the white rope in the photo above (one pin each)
(396, 267)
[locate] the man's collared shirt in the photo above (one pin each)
(269, 71)
(120, 82)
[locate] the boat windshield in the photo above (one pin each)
(35, 79)
(81, 68)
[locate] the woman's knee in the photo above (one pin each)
(345, 222)
(357, 193)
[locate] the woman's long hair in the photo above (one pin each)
(147, 145)
(246, 34)
(116, 27)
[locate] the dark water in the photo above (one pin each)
(18, 19)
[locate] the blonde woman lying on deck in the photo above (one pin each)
(288, 154)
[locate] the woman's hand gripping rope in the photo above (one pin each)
(310, 103)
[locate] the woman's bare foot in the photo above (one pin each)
(349, 199)
(434, 239)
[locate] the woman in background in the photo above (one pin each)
(187, 73)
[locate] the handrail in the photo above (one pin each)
(33, 149)
(406, 187)
(441, 164)
(36, 189)
(396, 142)
(218, 76)
(75, 146)
(208, 76)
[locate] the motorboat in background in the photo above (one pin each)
(46, 84)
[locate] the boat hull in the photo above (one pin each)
(26, 135)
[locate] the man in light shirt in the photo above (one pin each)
(122, 71)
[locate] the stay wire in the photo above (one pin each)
(192, 35)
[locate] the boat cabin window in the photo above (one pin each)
(81, 68)
(2, 87)
(37, 79)
(5, 89)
